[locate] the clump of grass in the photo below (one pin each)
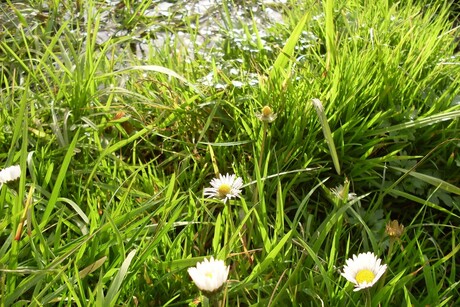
(118, 137)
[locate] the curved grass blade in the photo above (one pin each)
(113, 292)
(448, 187)
(155, 68)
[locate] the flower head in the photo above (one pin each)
(339, 192)
(363, 270)
(225, 187)
(266, 115)
(10, 173)
(394, 229)
(209, 275)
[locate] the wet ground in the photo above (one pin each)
(153, 22)
(146, 26)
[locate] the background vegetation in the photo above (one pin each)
(118, 132)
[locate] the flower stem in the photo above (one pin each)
(261, 157)
(262, 146)
(226, 243)
(389, 255)
(205, 301)
(228, 227)
(214, 300)
(211, 299)
(368, 298)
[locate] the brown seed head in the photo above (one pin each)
(394, 229)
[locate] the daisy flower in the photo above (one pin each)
(266, 115)
(224, 187)
(10, 173)
(209, 275)
(339, 193)
(363, 270)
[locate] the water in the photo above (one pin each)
(199, 27)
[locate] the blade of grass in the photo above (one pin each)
(330, 33)
(421, 201)
(40, 275)
(59, 180)
(327, 133)
(288, 51)
(430, 179)
(418, 123)
(153, 68)
(113, 292)
(267, 262)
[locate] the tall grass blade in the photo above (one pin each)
(330, 33)
(59, 180)
(287, 52)
(113, 292)
(267, 262)
(327, 133)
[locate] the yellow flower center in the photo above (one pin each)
(365, 276)
(266, 111)
(223, 190)
(208, 274)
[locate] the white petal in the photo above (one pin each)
(10, 173)
(363, 261)
(200, 274)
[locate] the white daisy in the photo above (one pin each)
(10, 173)
(209, 275)
(225, 187)
(363, 270)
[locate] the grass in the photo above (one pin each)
(117, 137)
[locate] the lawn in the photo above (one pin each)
(280, 138)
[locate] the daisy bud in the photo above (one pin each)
(209, 275)
(10, 173)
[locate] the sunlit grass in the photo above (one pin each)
(118, 136)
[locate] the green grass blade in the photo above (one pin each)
(59, 180)
(418, 123)
(327, 133)
(330, 33)
(421, 201)
(267, 262)
(287, 52)
(430, 179)
(153, 68)
(113, 292)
